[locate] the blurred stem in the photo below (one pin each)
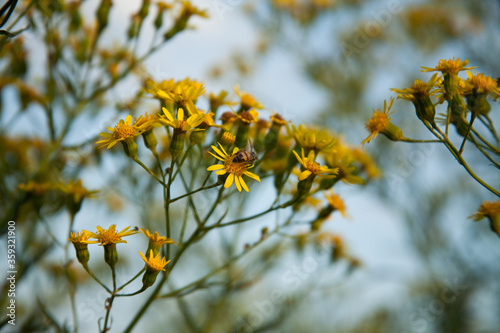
(195, 191)
(96, 279)
(110, 304)
(130, 281)
(420, 141)
(460, 159)
(489, 124)
(166, 197)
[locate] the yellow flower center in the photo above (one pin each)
(109, 237)
(236, 169)
(483, 83)
(378, 122)
(312, 166)
(123, 131)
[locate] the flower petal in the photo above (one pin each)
(220, 172)
(252, 175)
(180, 114)
(304, 174)
(215, 167)
(128, 120)
(237, 182)
(217, 157)
(297, 156)
(167, 114)
(225, 153)
(229, 180)
(243, 184)
(218, 151)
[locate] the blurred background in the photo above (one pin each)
(420, 264)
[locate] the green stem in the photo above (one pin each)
(136, 159)
(195, 191)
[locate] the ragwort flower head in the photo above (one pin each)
(181, 124)
(156, 263)
(380, 123)
(490, 210)
(111, 235)
(235, 169)
(122, 131)
(185, 93)
(156, 241)
(480, 84)
(313, 168)
(247, 101)
(317, 140)
(449, 67)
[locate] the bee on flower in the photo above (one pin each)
(235, 165)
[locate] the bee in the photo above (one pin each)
(245, 156)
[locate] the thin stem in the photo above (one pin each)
(460, 160)
(419, 141)
(96, 279)
(136, 159)
(131, 280)
(195, 191)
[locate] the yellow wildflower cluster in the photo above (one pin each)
(467, 99)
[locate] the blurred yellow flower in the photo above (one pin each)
(122, 131)
(313, 168)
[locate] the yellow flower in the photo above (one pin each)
(156, 263)
(248, 117)
(489, 209)
(36, 188)
(247, 100)
(336, 202)
(180, 123)
(185, 93)
(228, 138)
(318, 140)
(452, 66)
(110, 236)
(234, 169)
(380, 123)
(146, 122)
(418, 89)
(314, 168)
(81, 237)
(80, 241)
(480, 84)
(122, 131)
(156, 241)
(76, 190)
(75, 193)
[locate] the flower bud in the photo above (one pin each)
(177, 143)
(392, 132)
(102, 15)
(130, 147)
(110, 254)
(82, 253)
(150, 139)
